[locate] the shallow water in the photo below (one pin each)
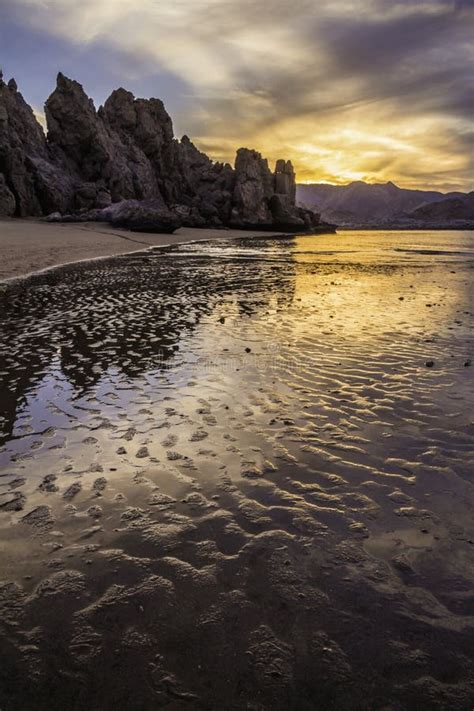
(238, 475)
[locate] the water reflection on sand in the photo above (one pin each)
(229, 479)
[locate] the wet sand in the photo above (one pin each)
(238, 475)
(29, 246)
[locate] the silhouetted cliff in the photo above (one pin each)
(126, 151)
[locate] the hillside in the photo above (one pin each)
(449, 210)
(362, 203)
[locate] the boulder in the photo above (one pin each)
(144, 216)
(285, 216)
(54, 186)
(189, 216)
(54, 217)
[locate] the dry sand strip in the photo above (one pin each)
(30, 246)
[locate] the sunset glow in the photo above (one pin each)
(372, 91)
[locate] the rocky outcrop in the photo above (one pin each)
(282, 202)
(253, 188)
(22, 141)
(126, 152)
(266, 200)
(7, 199)
(33, 171)
(285, 180)
(204, 187)
(143, 133)
(128, 148)
(135, 215)
(94, 152)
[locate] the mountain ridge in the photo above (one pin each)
(368, 204)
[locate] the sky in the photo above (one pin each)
(371, 90)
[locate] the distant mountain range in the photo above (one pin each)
(362, 204)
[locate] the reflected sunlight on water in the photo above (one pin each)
(244, 450)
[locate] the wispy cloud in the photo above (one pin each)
(374, 89)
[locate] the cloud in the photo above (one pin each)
(374, 89)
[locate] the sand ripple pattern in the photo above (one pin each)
(238, 475)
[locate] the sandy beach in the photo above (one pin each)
(29, 246)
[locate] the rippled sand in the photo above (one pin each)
(238, 475)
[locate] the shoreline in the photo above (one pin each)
(27, 254)
(408, 228)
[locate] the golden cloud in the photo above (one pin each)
(372, 90)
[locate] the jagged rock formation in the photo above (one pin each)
(126, 151)
(21, 139)
(282, 202)
(92, 151)
(24, 169)
(253, 188)
(262, 199)
(31, 169)
(7, 199)
(204, 187)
